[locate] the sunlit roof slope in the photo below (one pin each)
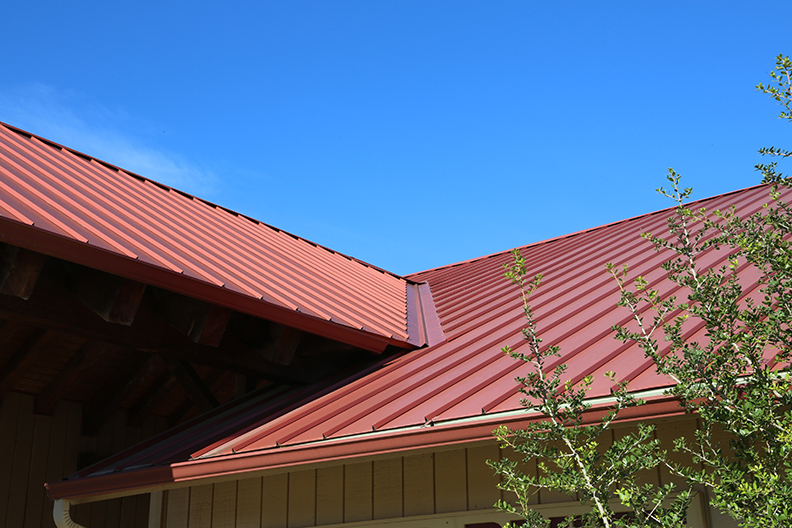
(60, 202)
(457, 391)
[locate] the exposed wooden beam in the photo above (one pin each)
(203, 322)
(113, 298)
(244, 383)
(286, 341)
(23, 358)
(214, 326)
(153, 396)
(19, 270)
(215, 380)
(116, 388)
(192, 383)
(82, 360)
(247, 344)
(55, 307)
(7, 330)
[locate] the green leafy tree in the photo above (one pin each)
(572, 456)
(736, 379)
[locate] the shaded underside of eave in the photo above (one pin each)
(330, 451)
(60, 247)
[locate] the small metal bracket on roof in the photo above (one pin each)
(483, 411)
(373, 428)
(324, 436)
(428, 422)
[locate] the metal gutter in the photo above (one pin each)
(376, 443)
(62, 516)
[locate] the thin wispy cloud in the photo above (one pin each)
(68, 118)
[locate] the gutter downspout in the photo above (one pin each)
(60, 512)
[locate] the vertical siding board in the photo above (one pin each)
(178, 508)
(20, 469)
(667, 432)
(201, 506)
(156, 503)
(651, 476)
(302, 499)
(142, 506)
(249, 503)
(73, 438)
(330, 495)
(450, 481)
(358, 492)
(419, 485)
(482, 482)
(224, 505)
(57, 452)
(118, 441)
(128, 512)
(388, 500)
(81, 514)
(548, 496)
(131, 514)
(9, 416)
(274, 501)
(36, 495)
(104, 448)
(529, 468)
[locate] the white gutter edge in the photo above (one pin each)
(60, 512)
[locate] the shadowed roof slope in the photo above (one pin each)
(453, 392)
(65, 204)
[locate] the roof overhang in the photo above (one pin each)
(337, 450)
(34, 239)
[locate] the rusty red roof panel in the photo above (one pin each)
(63, 203)
(456, 391)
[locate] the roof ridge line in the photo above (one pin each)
(410, 276)
(118, 169)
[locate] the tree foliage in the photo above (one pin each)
(736, 379)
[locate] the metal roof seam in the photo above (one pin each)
(97, 233)
(154, 256)
(56, 146)
(666, 211)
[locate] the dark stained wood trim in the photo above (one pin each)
(7, 330)
(192, 383)
(244, 383)
(111, 297)
(214, 381)
(158, 390)
(110, 394)
(127, 301)
(19, 271)
(23, 358)
(82, 360)
(214, 326)
(286, 342)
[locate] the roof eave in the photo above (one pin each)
(239, 465)
(34, 239)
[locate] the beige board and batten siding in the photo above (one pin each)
(36, 448)
(450, 487)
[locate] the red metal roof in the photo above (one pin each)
(456, 391)
(63, 203)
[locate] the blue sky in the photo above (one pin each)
(408, 134)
